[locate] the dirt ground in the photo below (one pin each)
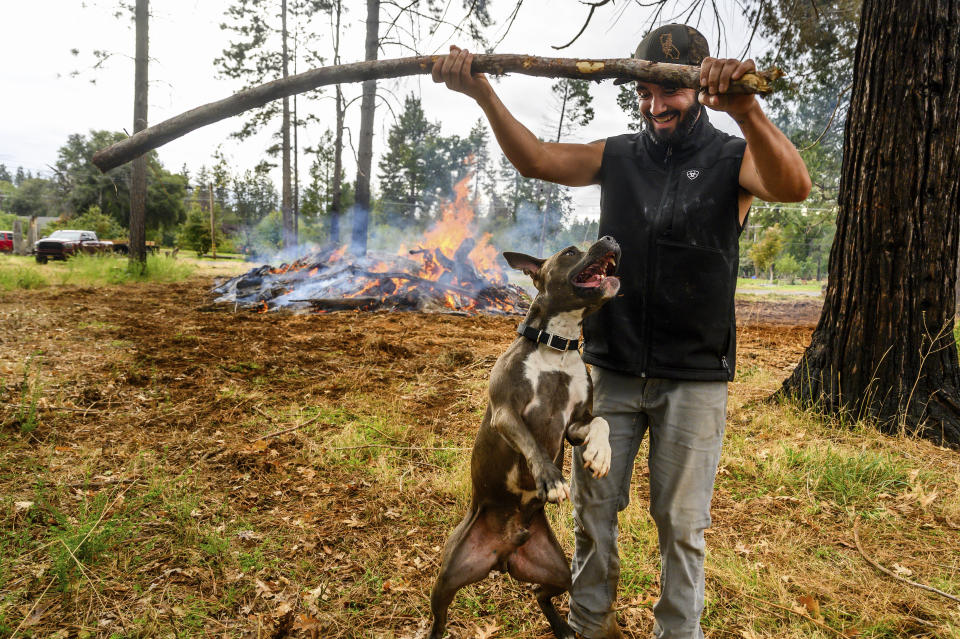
(266, 474)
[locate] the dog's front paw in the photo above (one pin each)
(551, 485)
(596, 448)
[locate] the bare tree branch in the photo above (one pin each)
(593, 7)
(830, 121)
(753, 32)
(510, 20)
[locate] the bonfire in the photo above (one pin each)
(450, 270)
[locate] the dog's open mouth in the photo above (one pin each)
(596, 272)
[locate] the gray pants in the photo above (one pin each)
(686, 423)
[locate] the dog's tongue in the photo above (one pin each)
(611, 285)
(594, 280)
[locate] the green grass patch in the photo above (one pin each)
(778, 285)
(845, 478)
(639, 554)
(22, 272)
(14, 278)
(27, 393)
(84, 539)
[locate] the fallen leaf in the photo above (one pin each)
(263, 588)
(926, 500)
(249, 535)
(901, 570)
(20, 506)
(306, 621)
(489, 630)
(353, 522)
(742, 549)
(812, 605)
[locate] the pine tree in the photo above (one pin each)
(261, 52)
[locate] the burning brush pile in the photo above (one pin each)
(449, 271)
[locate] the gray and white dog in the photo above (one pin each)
(539, 394)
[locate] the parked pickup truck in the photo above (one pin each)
(62, 244)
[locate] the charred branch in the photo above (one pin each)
(497, 64)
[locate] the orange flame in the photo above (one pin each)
(451, 249)
(448, 235)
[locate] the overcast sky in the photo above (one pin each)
(42, 104)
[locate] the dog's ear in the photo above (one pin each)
(526, 263)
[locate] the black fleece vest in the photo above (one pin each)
(673, 209)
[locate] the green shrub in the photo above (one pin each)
(94, 220)
(195, 233)
(268, 233)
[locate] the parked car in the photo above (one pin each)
(6, 241)
(62, 244)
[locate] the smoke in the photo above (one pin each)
(392, 231)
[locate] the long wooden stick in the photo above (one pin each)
(497, 64)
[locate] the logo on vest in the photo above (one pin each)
(693, 174)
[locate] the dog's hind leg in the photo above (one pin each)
(471, 552)
(541, 561)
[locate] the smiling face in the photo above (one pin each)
(668, 111)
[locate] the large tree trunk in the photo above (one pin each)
(361, 209)
(884, 346)
(286, 197)
(138, 178)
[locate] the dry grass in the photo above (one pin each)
(140, 498)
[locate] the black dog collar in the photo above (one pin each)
(553, 341)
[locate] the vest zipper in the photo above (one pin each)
(651, 263)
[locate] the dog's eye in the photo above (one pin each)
(570, 251)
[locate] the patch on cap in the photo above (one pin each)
(674, 44)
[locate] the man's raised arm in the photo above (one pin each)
(568, 164)
(772, 169)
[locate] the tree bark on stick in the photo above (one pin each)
(497, 64)
(884, 346)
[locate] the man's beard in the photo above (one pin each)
(682, 128)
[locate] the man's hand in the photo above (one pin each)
(715, 77)
(454, 71)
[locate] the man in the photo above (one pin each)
(675, 197)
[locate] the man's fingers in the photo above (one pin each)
(747, 66)
(456, 71)
(467, 65)
(729, 66)
(705, 70)
(713, 80)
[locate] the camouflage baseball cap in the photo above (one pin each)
(674, 44)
